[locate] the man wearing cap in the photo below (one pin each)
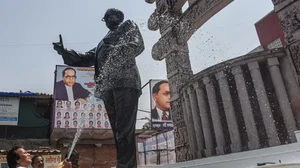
(117, 79)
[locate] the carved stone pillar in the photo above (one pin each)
(264, 104)
(229, 112)
(189, 121)
(204, 116)
(176, 29)
(179, 71)
(288, 12)
(196, 120)
(215, 115)
(253, 138)
(283, 100)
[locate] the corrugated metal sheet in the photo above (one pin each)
(16, 94)
(37, 151)
(27, 94)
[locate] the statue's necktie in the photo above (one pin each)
(164, 115)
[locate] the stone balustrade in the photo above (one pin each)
(242, 104)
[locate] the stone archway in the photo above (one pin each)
(176, 28)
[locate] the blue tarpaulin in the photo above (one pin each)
(17, 94)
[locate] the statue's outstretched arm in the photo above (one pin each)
(72, 57)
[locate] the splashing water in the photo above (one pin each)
(79, 129)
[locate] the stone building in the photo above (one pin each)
(246, 103)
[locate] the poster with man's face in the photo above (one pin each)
(75, 105)
(160, 104)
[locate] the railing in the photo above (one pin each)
(242, 104)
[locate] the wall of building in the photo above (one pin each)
(91, 156)
(286, 154)
(268, 30)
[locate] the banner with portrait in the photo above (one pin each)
(9, 110)
(51, 161)
(161, 117)
(75, 104)
(3, 161)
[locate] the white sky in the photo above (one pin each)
(29, 27)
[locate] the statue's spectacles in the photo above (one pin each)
(70, 77)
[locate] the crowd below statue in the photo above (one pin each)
(18, 157)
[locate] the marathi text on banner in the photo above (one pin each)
(9, 110)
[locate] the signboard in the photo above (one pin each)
(141, 152)
(159, 149)
(3, 162)
(170, 140)
(172, 157)
(9, 110)
(51, 161)
(75, 104)
(161, 117)
(148, 146)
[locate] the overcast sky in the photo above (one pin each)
(29, 27)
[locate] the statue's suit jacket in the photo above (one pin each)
(113, 59)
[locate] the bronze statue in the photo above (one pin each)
(117, 79)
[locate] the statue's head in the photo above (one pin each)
(112, 18)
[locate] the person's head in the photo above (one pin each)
(67, 114)
(68, 104)
(58, 103)
(77, 105)
(67, 123)
(91, 124)
(113, 18)
(75, 124)
(98, 115)
(69, 76)
(17, 156)
(99, 107)
(98, 124)
(92, 107)
(85, 106)
(106, 124)
(161, 95)
(58, 115)
(58, 123)
(75, 114)
(37, 161)
(105, 116)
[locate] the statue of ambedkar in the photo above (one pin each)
(116, 77)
